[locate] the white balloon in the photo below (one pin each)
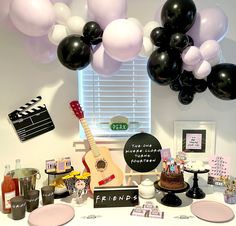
(62, 12)
(79, 8)
(147, 48)
(202, 70)
(149, 27)
(57, 33)
(75, 25)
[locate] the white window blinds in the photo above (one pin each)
(126, 93)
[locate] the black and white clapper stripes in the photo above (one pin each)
(31, 122)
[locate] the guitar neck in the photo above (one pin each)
(90, 138)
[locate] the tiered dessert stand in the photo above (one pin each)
(170, 199)
(195, 192)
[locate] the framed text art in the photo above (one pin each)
(195, 138)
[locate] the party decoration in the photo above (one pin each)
(191, 55)
(149, 26)
(147, 48)
(164, 66)
(160, 36)
(186, 96)
(74, 53)
(102, 63)
(210, 24)
(222, 81)
(200, 85)
(62, 12)
(202, 70)
(79, 8)
(57, 33)
(178, 15)
(175, 85)
(211, 51)
(40, 49)
(187, 67)
(179, 41)
(122, 40)
(75, 25)
(186, 79)
(33, 18)
(106, 11)
(187, 85)
(137, 22)
(92, 31)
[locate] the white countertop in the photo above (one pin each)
(121, 215)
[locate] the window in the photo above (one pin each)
(126, 93)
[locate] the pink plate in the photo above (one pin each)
(212, 211)
(51, 215)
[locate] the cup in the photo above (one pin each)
(32, 200)
(47, 194)
(18, 204)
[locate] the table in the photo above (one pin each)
(121, 216)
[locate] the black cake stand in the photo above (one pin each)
(170, 199)
(195, 192)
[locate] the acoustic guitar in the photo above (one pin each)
(97, 161)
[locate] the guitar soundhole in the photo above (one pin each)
(101, 164)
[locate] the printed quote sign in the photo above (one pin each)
(194, 140)
(116, 196)
(220, 167)
(142, 152)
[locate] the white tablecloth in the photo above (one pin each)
(121, 215)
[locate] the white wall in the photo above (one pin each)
(22, 79)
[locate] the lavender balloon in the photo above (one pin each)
(33, 18)
(122, 40)
(191, 55)
(202, 70)
(105, 11)
(210, 50)
(102, 63)
(210, 24)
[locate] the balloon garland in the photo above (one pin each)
(183, 52)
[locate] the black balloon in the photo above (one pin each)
(190, 41)
(200, 85)
(186, 79)
(178, 15)
(179, 41)
(186, 96)
(175, 85)
(222, 81)
(164, 66)
(92, 31)
(160, 37)
(74, 53)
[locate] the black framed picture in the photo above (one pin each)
(194, 140)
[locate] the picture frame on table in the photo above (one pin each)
(195, 138)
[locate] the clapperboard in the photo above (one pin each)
(32, 122)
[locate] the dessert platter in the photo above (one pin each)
(197, 167)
